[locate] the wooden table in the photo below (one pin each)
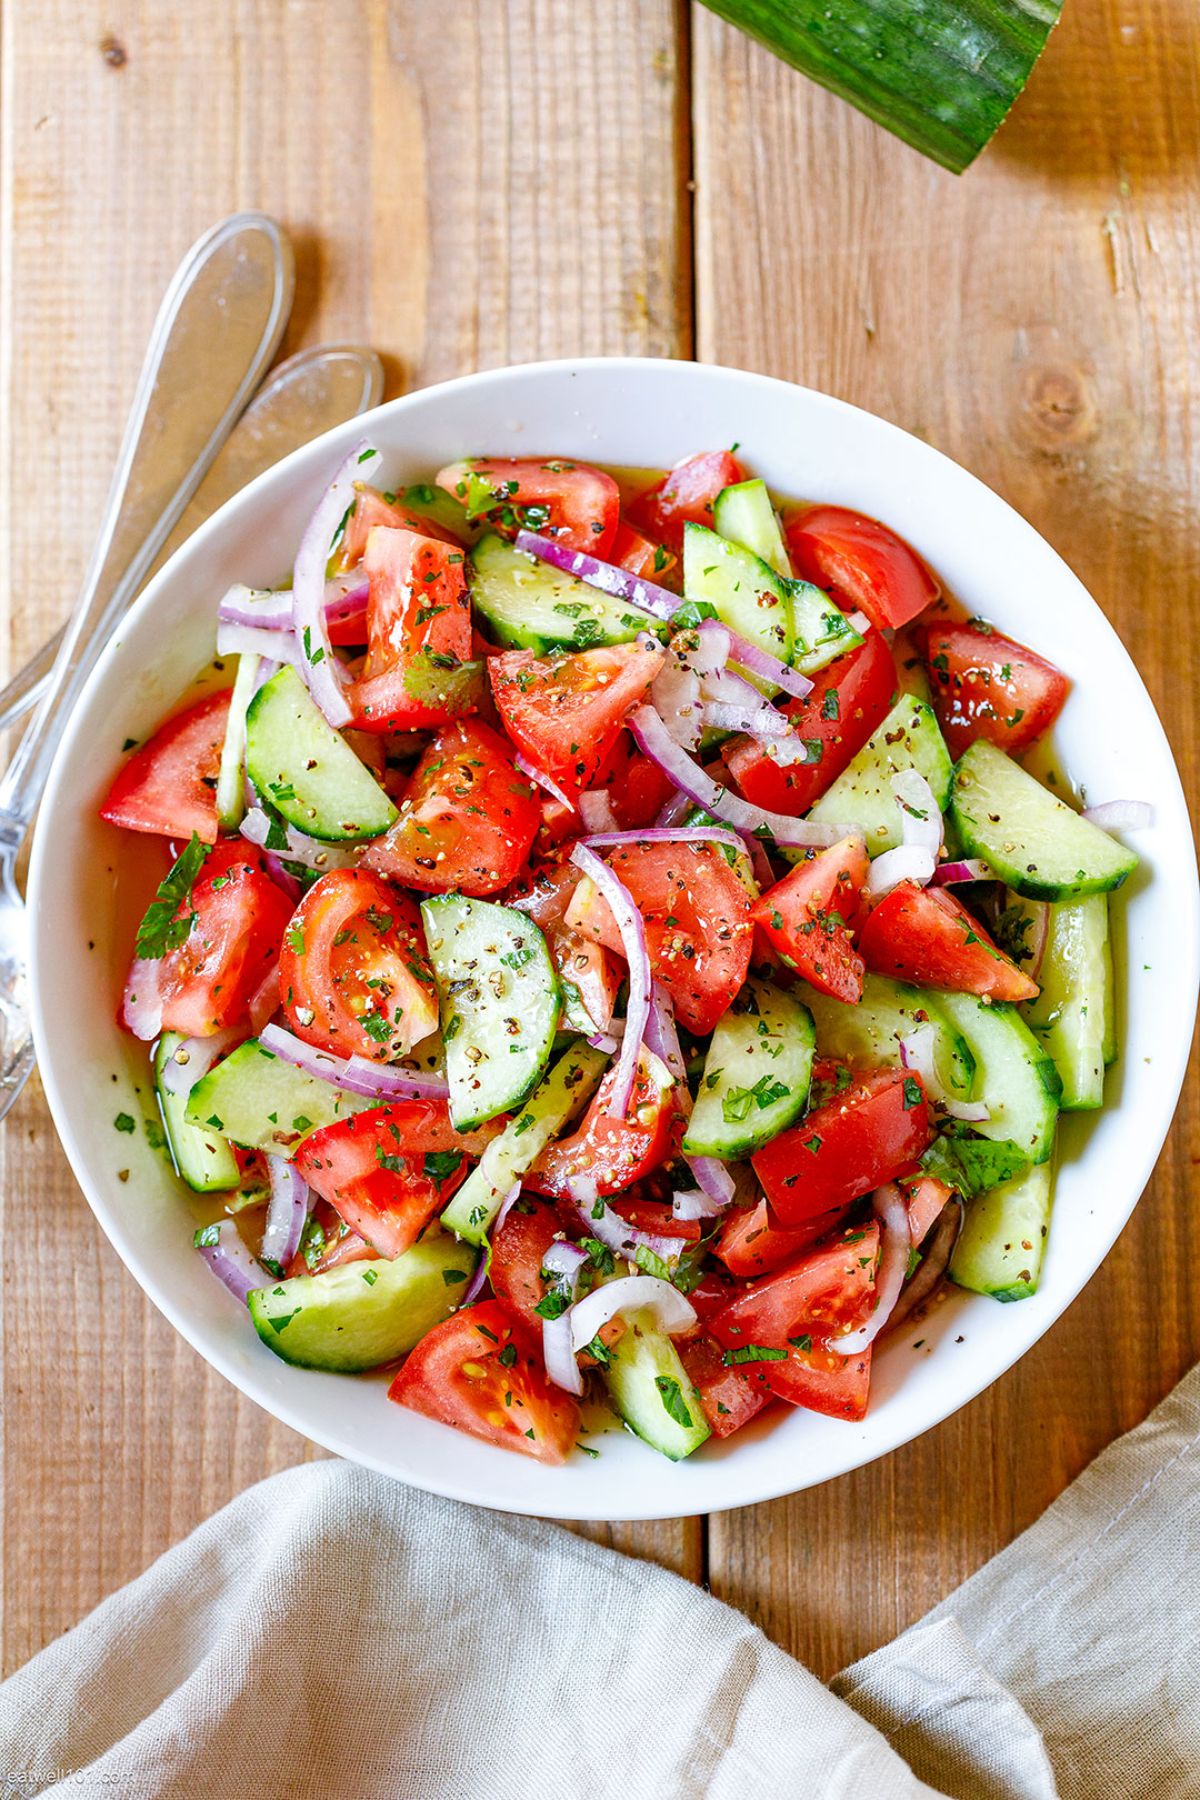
(473, 183)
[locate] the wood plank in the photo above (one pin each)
(1035, 319)
(465, 185)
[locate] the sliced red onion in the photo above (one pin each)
(617, 1234)
(282, 877)
(920, 816)
(566, 1262)
(694, 1203)
(607, 577)
(195, 1057)
(654, 739)
(936, 1251)
(346, 598)
(300, 849)
(907, 862)
(270, 609)
(918, 1053)
(251, 640)
(559, 1356)
(672, 1312)
(1121, 815)
(892, 1214)
(605, 1042)
(679, 834)
(858, 621)
(319, 666)
(713, 1180)
(759, 721)
(506, 1205)
(661, 1037)
(676, 694)
(789, 751)
(595, 809)
(633, 938)
(971, 868)
(354, 1074)
(231, 1262)
(542, 780)
(758, 662)
(674, 809)
(288, 1209)
(142, 1006)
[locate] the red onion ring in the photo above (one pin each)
(195, 1057)
(679, 834)
(231, 1262)
(920, 816)
(319, 666)
(606, 577)
(694, 1203)
(271, 609)
(476, 1284)
(282, 877)
(674, 809)
(972, 868)
(656, 742)
(758, 662)
(506, 1205)
(542, 780)
(892, 1213)
(615, 1233)
(1120, 815)
(907, 862)
(141, 1008)
(633, 937)
(713, 1180)
(673, 1313)
(596, 811)
(354, 1074)
(676, 695)
(936, 1251)
(286, 1213)
(252, 640)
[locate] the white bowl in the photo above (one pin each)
(88, 882)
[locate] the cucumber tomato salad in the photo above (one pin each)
(615, 945)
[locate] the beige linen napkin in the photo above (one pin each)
(333, 1634)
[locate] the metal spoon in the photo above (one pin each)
(309, 393)
(215, 336)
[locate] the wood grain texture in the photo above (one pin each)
(466, 184)
(1036, 320)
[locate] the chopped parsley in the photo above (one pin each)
(160, 929)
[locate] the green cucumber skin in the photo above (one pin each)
(744, 514)
(740, 1053)
(362, 1315)
(1070, 1016)
(941, 76)
(489, 1008)
(202, 1157)
(251, 1084)
(870, 1032)
(1003, 1239)
(641, 1355)
(514, 594)
(304, 768)
(908, 738)
(1014, 1075)
(989, 790)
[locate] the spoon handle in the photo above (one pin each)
(216, 334)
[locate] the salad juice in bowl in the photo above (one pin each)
(524, 949)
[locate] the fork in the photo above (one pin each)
(218, 328)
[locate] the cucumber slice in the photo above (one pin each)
(363, 1314)
(869, 1034)
(307, 770)
(652, 1391)
(202, 1157)
(1110, 997)
(1070, 1015)
(435, 504)
(500, 1003)
(1027, 835)
(1003, 1239)
(743, 514)
(531, 606)
(744, 592)
(1013, 1074)
(559, 1099)
(756, 1074)
(264, 1103)
(862, 794)
(820, 630)
(231, 784)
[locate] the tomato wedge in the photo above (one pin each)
(170, 785)
(849, 699)
(636, 787)
(685, 496)
(872, 1131)
(697, 917)
(481, 1372)
(353, 974)
(798, 1311)
(238, 916)
(564, 712)
(467, 821)
(868, 563)
(373, 508)
(924, 1197)
(417, 670)
(569, 501)
(518, 1252)
(640, 555)
(809, 915)
(389, 1170)
(926, 936)
(728, 1398)
(986, 685)
(609, 1151)
(750, 1242)
(327, 1242)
